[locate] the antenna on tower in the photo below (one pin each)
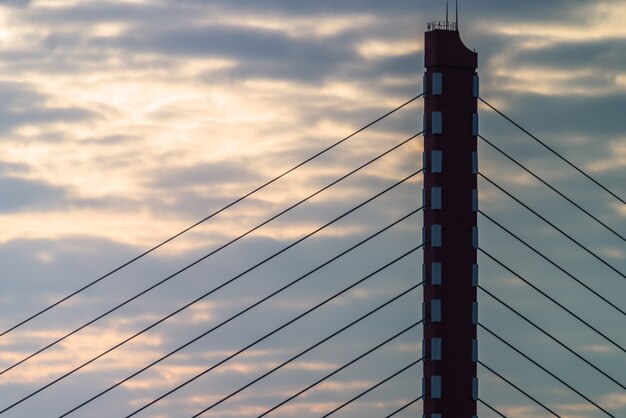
(446, 15)
(457, 15)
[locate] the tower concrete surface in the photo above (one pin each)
(450, 197)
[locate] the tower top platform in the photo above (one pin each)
(444, 48)
(442, 25)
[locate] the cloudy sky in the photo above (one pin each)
(122, 122)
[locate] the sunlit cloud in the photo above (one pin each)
(598, 348)
(600, 20)
(296, 26)
(372, 49)
(124, 123)
(615, 400)
(73, 352)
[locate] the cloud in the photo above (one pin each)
(255, 52)
(27, 194)
(7, 168)
(615, 400)
(217, 173)
(23, 106)
(16, 3)
(124, 122)
(599, 53)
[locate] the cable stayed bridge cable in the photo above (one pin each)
(596, 368)
(388, 340)
(397, 411)
(492, 408)
(567, 273)
(317, 382)
(545, 183)
(582, 321)
(206, 294)
(597, 183)
(240, 313)
(532, 398)
(228, 206)
(405, 368)
(136, 296)
(565, 234)
(297, 318)
(518, 351)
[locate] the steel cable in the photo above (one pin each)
(582, 321)
(292, 397)
(567, 273)
(388, 340)
(556, 340)
(597, 183)
(570, 387)
(532, 398)
(203, 296)
(492, 408)
(87, 286)
(233, 317)
(143, 292)
(545, 183)
(397, 411)
(278, 329)
(554, 226)
(405, 368)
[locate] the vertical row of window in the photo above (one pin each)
(475, 92)
(436, 119)
(433, 348)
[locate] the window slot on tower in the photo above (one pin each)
(475, 237)
(437, 123)
(435, 273)
(435, 198)
(475, 275)
(435, 235)
(436, 162)
(474, 388)
(435, 310)
(425, 85)
(475, 86)
(475, 351)
(474, 200)
(474, 313)
(474, 162)
(435, 348)
(437, 84)
(475, 124)
(435, 387)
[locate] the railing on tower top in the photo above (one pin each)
(441, 25)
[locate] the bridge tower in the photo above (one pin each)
(451, 202)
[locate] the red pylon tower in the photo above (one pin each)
(451, 203)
